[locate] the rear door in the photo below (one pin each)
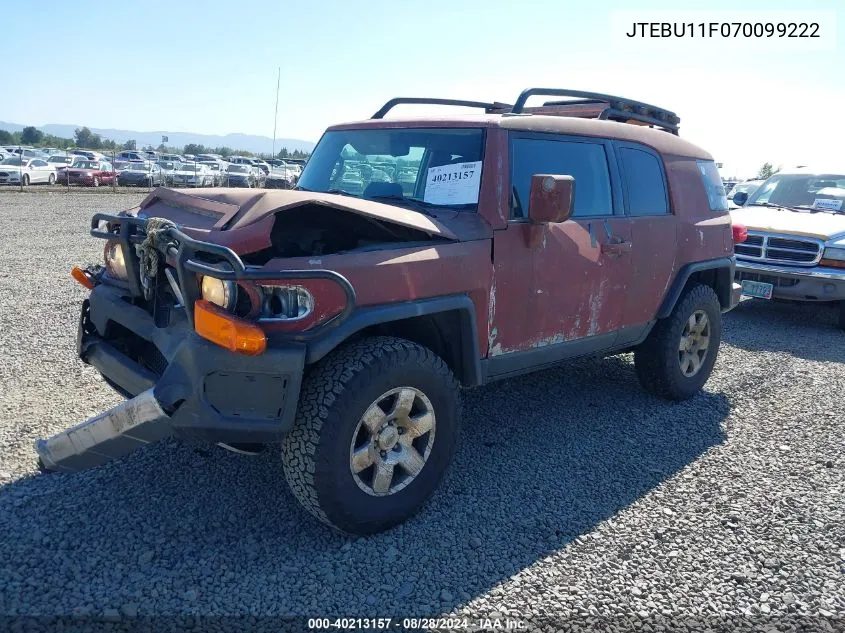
(654, 230)
(568, 287)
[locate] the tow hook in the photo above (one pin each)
(107, 436)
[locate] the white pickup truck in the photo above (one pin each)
(795, 247)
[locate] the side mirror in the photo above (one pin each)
(740, 198)
(551, 197)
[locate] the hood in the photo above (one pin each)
(820, 225)
(243, 219)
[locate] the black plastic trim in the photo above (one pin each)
(487, 107)
(686, 272)
(362, 318)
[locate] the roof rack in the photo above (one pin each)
(605, 107)
(488, 107)
(618, 107)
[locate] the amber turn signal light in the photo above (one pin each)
(218, 326)
(832, 263)
(80, 276)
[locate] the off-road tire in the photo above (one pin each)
(333, 398)
(656, 359)
(841, 315)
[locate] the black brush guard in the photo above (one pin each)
(130, 231)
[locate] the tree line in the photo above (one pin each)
(84, 138)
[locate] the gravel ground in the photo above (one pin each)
(574, 498)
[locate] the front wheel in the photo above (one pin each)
(52, 179)
(25, 180)
(678, 356)
(375, 432)
(96, 182)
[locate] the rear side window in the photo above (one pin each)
(645, 186)
(712, 181)
(586, 162)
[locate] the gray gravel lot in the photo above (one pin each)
(573, 494)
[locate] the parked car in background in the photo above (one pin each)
(193, 175)
(189, 158)
(748, 187)
(61, 161)
(795, 248)
(17, 170)
(88, 173)
(139, 174)
(175, 158)
(262, 165)
(89, 154)
(131, 155)
(218, 171)
(240, 175)
(168, 170)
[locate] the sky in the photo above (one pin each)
(211, 67)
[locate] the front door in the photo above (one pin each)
(560, 289)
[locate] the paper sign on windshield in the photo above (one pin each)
(453, 184)
(827, 203)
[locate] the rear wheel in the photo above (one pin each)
(374, 434)
(25, 180)
(52, 179)
(96, 182)
(678, 356)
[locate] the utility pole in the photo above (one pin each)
(276, 113)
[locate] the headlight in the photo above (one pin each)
(834, 253)
(288, 303)
(219, 292)
(115, 264)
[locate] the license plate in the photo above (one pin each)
(758, 289)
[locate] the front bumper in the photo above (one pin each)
(208, 392)
(811, 283)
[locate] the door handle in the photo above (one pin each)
(615, 249)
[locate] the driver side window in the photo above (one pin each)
(583, 160)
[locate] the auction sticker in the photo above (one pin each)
(453, 184)
(827, 203)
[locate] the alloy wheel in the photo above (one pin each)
(392, 442)
(694, 344)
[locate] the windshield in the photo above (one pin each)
(11, 161)
(139, 167)
(438, 167)
(241, 169)
(743, 187)
(812, 191)
(85, 164)
(58, 159)
(166, 164)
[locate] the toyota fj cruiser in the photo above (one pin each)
(415, 257)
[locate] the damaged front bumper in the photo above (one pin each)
(176, 381)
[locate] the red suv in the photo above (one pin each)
(416, 257)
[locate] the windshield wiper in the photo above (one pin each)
(416, 204)
(811, 209)
(769, 204)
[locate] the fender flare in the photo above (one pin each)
(677, 287)
(368, 316)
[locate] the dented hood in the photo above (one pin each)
(219, 215)
(820, 225)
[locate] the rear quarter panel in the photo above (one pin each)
(702, 234)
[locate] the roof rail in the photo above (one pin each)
(488, 107)
(618, 107)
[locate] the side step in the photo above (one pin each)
(112, 434)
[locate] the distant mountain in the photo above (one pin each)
(248, 142)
